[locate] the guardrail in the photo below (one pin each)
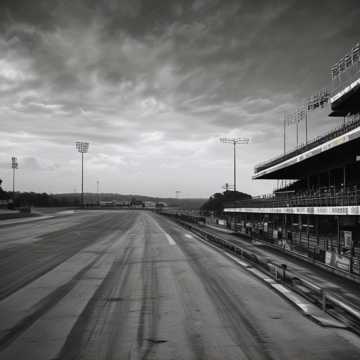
(280, 272)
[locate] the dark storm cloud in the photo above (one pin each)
(243, 47)
(138, 73)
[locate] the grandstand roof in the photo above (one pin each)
(347, 100)
(339, 147)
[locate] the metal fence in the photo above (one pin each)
(321, 197)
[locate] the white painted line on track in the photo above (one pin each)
(65, 212)
(269, 280)
(25, 220)
(281, 288)
(304, 307)
(170, 239)
(258, 273)
(242, 263)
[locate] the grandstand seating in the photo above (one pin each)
(334, 133)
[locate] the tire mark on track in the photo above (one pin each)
(43, 307)
(149, 313)
(41, 257)
(190, 308)
(250, 339)
(93, 326)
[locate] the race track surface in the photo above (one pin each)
(133, 285)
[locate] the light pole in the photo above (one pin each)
(235, 141)
(227, 187)
(14, 166)
(82, 148)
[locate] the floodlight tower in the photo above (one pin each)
(235, 141)
(14, 166)
(82, 147)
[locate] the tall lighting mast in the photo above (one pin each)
(234, 142)
(82, 148)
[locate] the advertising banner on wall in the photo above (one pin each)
(342, 262)
(329, 258)
(347, 239)
(338, 261)
(304, 210)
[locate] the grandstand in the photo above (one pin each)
(318, 213)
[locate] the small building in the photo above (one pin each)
(150, 204)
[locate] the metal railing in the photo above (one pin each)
(348, 126)
(321, 197)
(345, 78)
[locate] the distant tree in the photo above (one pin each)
(217, 201)
(42, 199)
(3, 194)
(159, 206)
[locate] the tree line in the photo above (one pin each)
(217, 202)
(43, 199)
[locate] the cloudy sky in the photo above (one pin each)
(153, 84)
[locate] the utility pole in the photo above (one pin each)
(14, 166)
(234, 142)
(228, 187)
(297, 133)
(306, 126)
(82, 148)
(284, 133)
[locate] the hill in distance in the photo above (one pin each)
(184, 203)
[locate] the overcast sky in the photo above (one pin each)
(153, 84)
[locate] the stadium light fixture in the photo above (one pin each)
(234, 142)
(82, 147)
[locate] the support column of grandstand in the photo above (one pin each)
(318, 214)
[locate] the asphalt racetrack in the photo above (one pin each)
(133, 285)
